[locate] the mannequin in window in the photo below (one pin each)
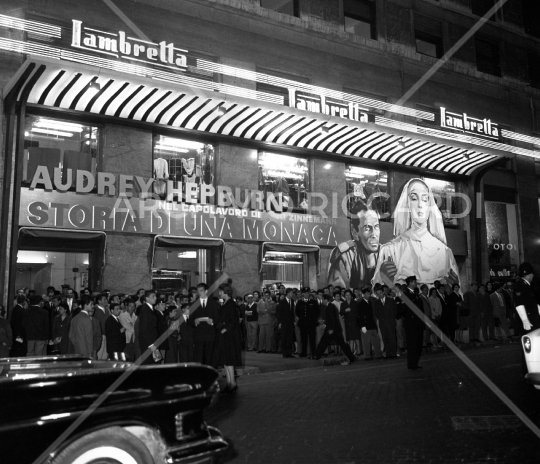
(358, 189)
(161, 174)
(283, 188)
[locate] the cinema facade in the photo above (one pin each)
(138, 164)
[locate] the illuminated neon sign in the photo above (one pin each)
(121, 46)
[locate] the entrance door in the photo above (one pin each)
(179, 268)
(283, 267)
(38, 270)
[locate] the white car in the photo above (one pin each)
(531, 348)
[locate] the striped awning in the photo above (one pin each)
(150, 100)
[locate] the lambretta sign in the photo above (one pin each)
(121, 46)
(327, 105)
(465, 123)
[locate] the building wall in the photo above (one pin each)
(240, 33)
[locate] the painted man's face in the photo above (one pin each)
(369, 232)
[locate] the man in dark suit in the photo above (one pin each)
(36, 327)
(285, 318)
(148, 330)
(385, 310)
(202, 319)
(102, 313)
(368, 325)
(114, 331)
(414, 326)
(186, 344)
(454, 307)
(19, 346)
(307, 312)
(81, 331)
(446, 325)
(333, 332)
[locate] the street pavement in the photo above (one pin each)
(380, 412)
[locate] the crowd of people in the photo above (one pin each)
(191, 325)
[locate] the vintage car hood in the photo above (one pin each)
(37, 390)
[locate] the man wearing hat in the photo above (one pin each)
(525, 300)
(414, 326)
(307, 312)
(252, 321)
(285, 318)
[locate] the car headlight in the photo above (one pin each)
(527, 344)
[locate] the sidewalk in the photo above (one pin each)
(258, 363)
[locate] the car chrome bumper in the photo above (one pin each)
(199, 452)
(534, 378)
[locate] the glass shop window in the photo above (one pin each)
(367, 189)
(444, 193)
(54, 143)
(184, 161)
(286, 177)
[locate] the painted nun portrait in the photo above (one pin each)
(419, 244)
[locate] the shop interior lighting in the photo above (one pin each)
(356, 171)
(90, 136)
(59, 125)
(52, 132)
(168, 148)
(26, 133)
(187, 255)
(436, 183)
(327, 166)
(172, 142)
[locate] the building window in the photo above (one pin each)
(531, 17)
(481, 7)
(444, 193)
(367, 189)
(184, 161)
(428, 36)
(286, 178)
(269, 86)
(534, 69)
(54, 143)
(487, 57)
(536, 118)
(288, 7)
(360, 18)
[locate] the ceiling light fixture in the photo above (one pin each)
(58, 125)
(93, 88)
(172, 142)
(168, 148)
(52, 132)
